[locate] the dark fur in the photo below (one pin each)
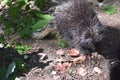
(115, 70)
(80, 27)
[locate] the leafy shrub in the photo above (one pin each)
(18, 17)
(24, 20)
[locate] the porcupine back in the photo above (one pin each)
(78, 24)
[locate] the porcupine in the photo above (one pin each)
(78, 24)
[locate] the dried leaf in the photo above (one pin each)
(73, 52)
(60, 67)
(79, 59)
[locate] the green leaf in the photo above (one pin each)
(10, 69)
(42, 22)
(8, 45)
(62, 43)
(44, 16)
(110, 10)
(26, 1)
(21, 48)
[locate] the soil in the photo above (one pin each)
(43, 59)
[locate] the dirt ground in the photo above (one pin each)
(42, 61)
(45, 69)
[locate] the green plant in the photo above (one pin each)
(21, 48)
(110, 10)
(61, 43)
(22, 19)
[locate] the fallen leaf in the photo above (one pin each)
(80, 59)
(73, 52)
(63, 71)
(61, 68)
